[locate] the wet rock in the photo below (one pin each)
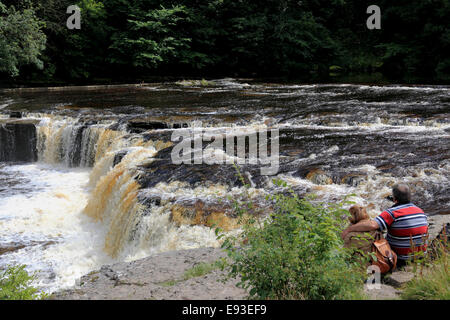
(349, 178)
(6, 248)
(213, 214)
(149, 200)
(387, 167)
(180, 125)
(119, 156)
(352, 179)
(162, 169)
(199, 212)
(303, 171)
(11, 248)
(319, 177)
(141, 126)
(128, 109)
(163, 135)
(18, 142)
(316, 175)
(15, 114)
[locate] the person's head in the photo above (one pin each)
(358, 213)
(401, 193)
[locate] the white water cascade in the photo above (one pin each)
(82, 210)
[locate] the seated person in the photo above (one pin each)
(361, 240)
(406, 225)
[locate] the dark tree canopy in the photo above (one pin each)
(312, 40)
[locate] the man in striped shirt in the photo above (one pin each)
(406, 225)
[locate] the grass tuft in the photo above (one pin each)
(433, 283)
(200, 270)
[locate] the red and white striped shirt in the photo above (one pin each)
(404, 223)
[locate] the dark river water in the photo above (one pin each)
(65, 203)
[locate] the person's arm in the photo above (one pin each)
(362, 226)
(382, 222)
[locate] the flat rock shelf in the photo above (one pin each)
(159, 277)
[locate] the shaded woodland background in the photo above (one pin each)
(141, 40)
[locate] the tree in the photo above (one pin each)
(289, 38)
(153, 38)
(21, 39)
(86, 49)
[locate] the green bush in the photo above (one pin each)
(295, 253)
(22, 39)
(15, 284)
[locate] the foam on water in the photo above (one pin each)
(60, 241)
(372, 191)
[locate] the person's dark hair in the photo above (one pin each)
(401, 193)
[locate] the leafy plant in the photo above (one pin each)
(15, 284)
(295, 252)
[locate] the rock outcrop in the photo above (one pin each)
(158, 277)
(18, 141)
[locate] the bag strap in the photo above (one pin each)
(390, 259)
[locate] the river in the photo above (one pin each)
(86, 178)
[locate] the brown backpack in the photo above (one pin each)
(386, 258)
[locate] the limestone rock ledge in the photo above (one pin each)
(158, 277)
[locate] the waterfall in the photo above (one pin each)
(114, 197)
(72, 143)
(131, 227)
(113, 187)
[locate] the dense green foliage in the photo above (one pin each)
(311, 40)
(15, 284)
(21, 39)
(297, 253)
